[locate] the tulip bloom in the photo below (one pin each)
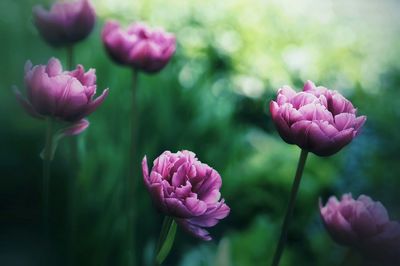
(363, 224)
(139, 46)
(67, 96)
(187, 190)
(66, 23)
(317, 119)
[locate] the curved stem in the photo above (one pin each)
(131, 180)
(46, 171)
(289, 211)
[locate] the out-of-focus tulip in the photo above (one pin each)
(138, 46)
(187, 190)
(317, 119)
(63, 95)
(363, 224)
(66, 23)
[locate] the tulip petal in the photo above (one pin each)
(212, 181)
(53, 67)
(285, 95)
(92, 106)
(212, 216)
(179, 177)
(195, 206)
(194, 230)
(376, 210)
(315, 111)
(362, 221)
(359, 122)
(281, 125)
(145, 169)
(176, 208)
(76, 128)
(309, 85)
(300, 131)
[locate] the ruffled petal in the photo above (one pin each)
(194, 230)
(212, 216)
(76, 128)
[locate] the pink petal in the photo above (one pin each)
(315, 111)
(145, 169)
(195, 206)
(362, 222)
(176, 208)
(344, 121)
(195, 230)
(359, 122)
(76, 128)
(309, 85)
(53, 67)
(93, 105)
(212, 216)
(285, 94)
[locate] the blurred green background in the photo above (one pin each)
(212, 98)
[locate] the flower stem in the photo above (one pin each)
(46, 172)
(70, 57)
(166, 240)
(289, 211)
(74, 158)
(131, 180)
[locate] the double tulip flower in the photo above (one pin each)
(363, 224)
(186, 189)
(65, 23)
(316, 119)
(139, 46)
(67, 96)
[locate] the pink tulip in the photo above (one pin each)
(64, 95)
(138, 46)
(317, 119)
(363, 224)
(187, 190)
(66, 23)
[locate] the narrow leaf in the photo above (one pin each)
(167, 243)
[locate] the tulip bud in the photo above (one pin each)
(363, 224)
(186, 189)
(138, 46)
(317, 119)
(66, 23)
(64, 95)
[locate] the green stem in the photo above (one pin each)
(46, 171)
(70, 57)
(131, 180)
(166, 240)
(289, 211)
(74, 158)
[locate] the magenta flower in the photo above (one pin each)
(64, 95)
(317, 119)
(363, 224)
(66, 23)
(186, 189)
(139, 46)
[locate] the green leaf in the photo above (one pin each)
(167, 240)
(54, 143)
